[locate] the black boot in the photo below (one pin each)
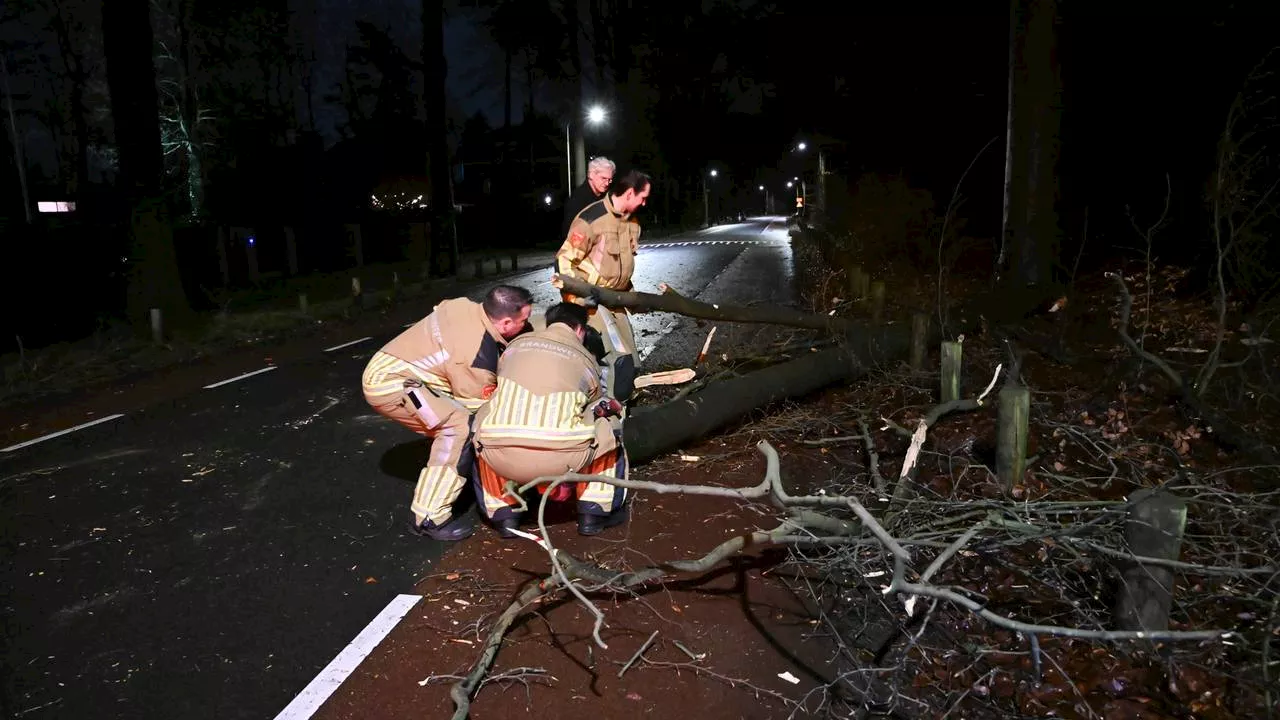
(506, 525)
(458, 527)
(589, 524)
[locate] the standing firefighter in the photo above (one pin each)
(431, 378)
(600, 249)
(548, 417)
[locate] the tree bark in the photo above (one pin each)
(652, 431)
(154, 280)
(673, 302)
(1032, 233)
(444, 234)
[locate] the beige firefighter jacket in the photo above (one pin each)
(454, 351)
(548, 385)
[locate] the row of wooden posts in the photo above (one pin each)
(1157, 518)
(480, 265)
(1014, 400)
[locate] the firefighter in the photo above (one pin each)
(548, 417)
(600, 249)
(431, 379)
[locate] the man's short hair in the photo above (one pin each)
(601, 163)
(571, 314)
(630, 180)
(506, 301)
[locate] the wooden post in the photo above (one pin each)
(223, 265)
(515, 261)
(1154, 528)
(157, 326)
(919, 336)
(952, 354)
(357, 242)
(479, 268)
(291, 249)
(877, 302)
(855, 282)
(1011, 443)
(302, 303)
(356, 290)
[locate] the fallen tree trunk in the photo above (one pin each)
(652, 431)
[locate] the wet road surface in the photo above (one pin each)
(207, 557)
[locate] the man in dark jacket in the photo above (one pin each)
(599, 175)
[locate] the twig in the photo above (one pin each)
(687, 651)
(638, 653)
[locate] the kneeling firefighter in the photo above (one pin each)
(550, 415)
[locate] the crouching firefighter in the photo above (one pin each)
(431, 378)
(549, 416)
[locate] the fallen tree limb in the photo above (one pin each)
(652, 431)
(673, 302)
(795, 530)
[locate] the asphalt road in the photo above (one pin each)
(207, 557)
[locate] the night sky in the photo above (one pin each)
(1146, 87)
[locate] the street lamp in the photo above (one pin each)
(596, 114)
(802, 146)
(706, 204)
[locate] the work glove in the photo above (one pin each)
(606, 408)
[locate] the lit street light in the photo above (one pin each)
(595, 115)
(802, 146)
(706, 203)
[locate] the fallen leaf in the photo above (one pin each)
(634, 696)
(452, 576)
(370, 580)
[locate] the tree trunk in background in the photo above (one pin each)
(154, 280)
(1031, 234)
(504, 170)
(444, 231)
(574, 9)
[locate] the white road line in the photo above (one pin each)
(240, 377)
(53, 435)
(318, 691)
(348, 344)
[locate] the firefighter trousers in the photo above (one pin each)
(496, 465)
(395, 390)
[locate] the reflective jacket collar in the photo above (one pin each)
(608, 205)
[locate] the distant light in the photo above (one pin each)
(546, 199)
(595, 115)
(250, 239)
(762, 187)
(789, 183)
(55, 207)
(795, 179)
(715, 173)
(802, 146)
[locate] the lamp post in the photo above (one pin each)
(595, 115)
(802, 146)
(706, 205)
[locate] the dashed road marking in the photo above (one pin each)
(349, 344)
(323, 685)
(240, 377)
(60, 433)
